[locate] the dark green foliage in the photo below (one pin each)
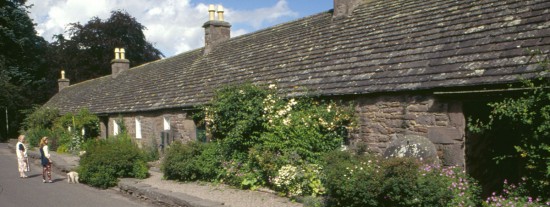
(236, 117)
(152, 152)
(257, 132)
(107, 160)
(38, 123)
(88, 52)
(266, 162)
(39, 117)
(353, 180)
(359, 189)
(34, 135)
(307, 128)
(192, 161)
(84, 119)
(73, 138)
(22, 65)
(527, 119)
(404, 185)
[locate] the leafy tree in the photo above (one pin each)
(22, 66)
(87, 52)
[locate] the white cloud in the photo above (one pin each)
(257, 18)
(173, 26)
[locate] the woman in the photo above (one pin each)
(45, 159)
(21, 152)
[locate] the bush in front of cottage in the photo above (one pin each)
(107, 160)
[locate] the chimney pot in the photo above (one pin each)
(220, 13)
(211, 12)
(117, 53)
(63, 82)
(120, 63)
(122, 55)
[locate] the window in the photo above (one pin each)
(166, 123)
(116, 128)
(201, 133)
(138, 128)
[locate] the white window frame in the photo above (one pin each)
(138, 128)
(116, 128)
(166, 121)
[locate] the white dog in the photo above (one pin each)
(72, 177)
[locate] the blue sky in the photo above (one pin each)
(174, 26)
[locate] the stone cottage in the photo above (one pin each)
(411, 67)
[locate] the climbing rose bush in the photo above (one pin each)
(305, 127)
(263, 131)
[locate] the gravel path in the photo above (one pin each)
(221, 193)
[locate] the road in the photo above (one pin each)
(17, 192)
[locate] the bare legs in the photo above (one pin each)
(47, 171)
(22, 167)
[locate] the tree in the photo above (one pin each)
(22, 66)
(87, 53)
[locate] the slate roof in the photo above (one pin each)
(385, 46)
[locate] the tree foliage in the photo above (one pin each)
(22, 63)
(87, 51)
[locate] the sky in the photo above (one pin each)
(173, 26)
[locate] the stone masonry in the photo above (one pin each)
(383, 118)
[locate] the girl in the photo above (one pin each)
(45, 159)
(21, 152)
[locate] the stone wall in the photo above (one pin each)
(384, 118)
(152, 124)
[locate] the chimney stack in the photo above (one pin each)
(120, 63)
(63, 82)
(344, 8)
(215, 31)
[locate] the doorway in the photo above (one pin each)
(488, 153)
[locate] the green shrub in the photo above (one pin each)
(39, 117)
(73, 138)
(192, 161)
(107, 160)
(528, 117)
(152, 152)
(304, 127)
(266, 163)
(408, 182)
(258, 132)
(299, 180)
(101, 176)
(354, 181)
(235, 117)
(33, 136)
(62, 149)
(37, 124)
(242, 175)
(367, 181)
(515, 195)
